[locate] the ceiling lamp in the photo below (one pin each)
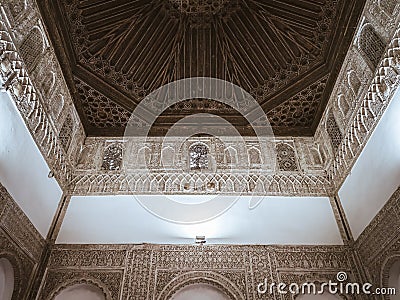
(200, 239)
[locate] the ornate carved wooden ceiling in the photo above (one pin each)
(286, 53)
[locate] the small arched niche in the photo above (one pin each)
(394, 279)
(200, 292)
(6, 279)
(198, 156)
(81, 292)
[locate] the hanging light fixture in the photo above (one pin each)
(200, 239)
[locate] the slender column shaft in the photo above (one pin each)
(40, 271)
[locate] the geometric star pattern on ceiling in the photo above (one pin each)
(278, 51)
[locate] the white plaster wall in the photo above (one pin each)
(376, 174)
(81, 292)
(23, 171)
(6, 279)
(277, 220)
(199, 292)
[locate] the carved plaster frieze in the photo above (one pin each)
(368, 113)
(158, 165)
(359, 99)
(32, 75)
(20, 243)
(159, 271)
(379, 243)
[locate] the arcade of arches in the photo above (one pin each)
(199, 149)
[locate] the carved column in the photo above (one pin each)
(50, 241)
(341, 220)
(347, 236)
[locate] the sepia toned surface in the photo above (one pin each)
(68, 83)
(278, 51)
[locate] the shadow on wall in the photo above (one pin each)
(6, 279)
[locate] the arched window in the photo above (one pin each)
(48, 83)
(167, 156)
(112, 160)
(57, 105)
(371, 45)
(144, 156)
(6, 279)
(81, 292)
(317, 155)
(230, 155)
(286, 157)
(198, 154)
(254, 156)
(200, 292)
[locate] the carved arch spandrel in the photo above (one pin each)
(385, 271)
(204, 277)
(90, 281)
(17, 268)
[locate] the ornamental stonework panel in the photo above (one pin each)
(225, 164)
(39, 87)
(20, 243)
(158, 271)
(108, 281)
(369, 108)
(29, 72)
(142, 46)
(379, 243)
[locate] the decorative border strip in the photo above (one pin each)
(20, 243)
(369, 105)
(374, 103)
(21, 89)
(157, 271)
(182, 183)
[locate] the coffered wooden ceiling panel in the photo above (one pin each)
(286, 53)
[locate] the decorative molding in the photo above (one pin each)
(369, 98)
(220, 281)
(181, 183)
(158, 271)
(380, 240)
(108, 281)
(356, 106)
(357, 102)
(295, 66)
(341, 220)
(20, 243)
(16, 223)
(31, 75)
(235, 165)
